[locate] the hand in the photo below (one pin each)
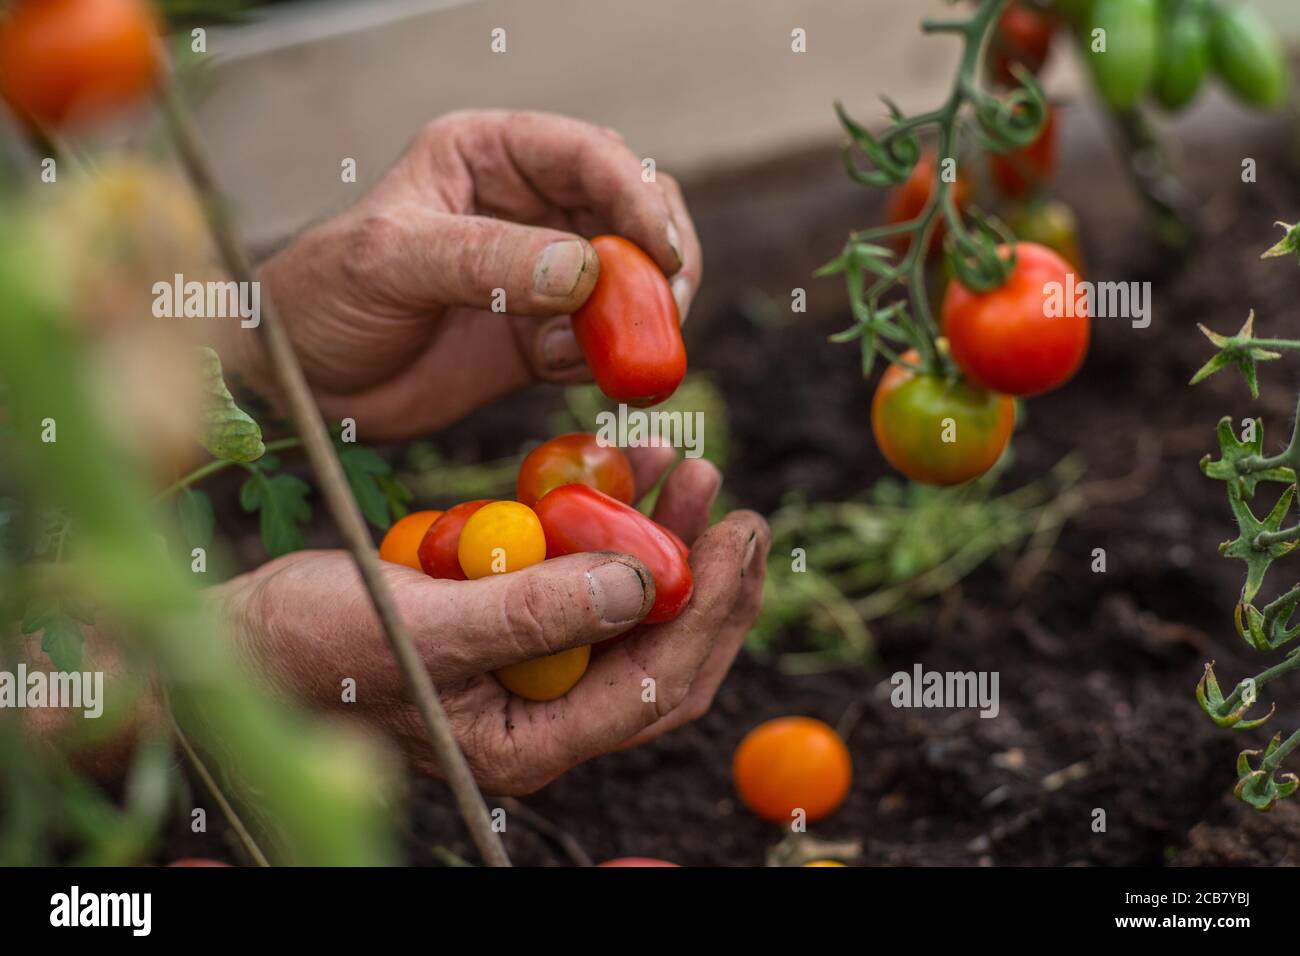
(389, 304)
(307, 622)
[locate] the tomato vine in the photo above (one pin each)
(996, 124)
(1245, 469)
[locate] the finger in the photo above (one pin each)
(551, 350)
(644, 678)
(711, 675)
(463, 628)
(649, 464)
(577, 166)
(687, 280)
(686, 498)
(422, 259)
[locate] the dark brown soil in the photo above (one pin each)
(1097, 671)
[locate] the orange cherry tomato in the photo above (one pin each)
(67, 60)
(824, 863)
(545, 678)
(1026, 170)
(789, 764)
(936, 431)
(1020, 338)
(401, 544)
(628, 328)
(576, 459)
(908, 200)
(577, 518)
(438, 553)
(500, 537)
(637, 861)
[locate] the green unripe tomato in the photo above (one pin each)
(1247, 56)
(1184, 53)
(1131, 33)
(1050, 223)
(936, 431)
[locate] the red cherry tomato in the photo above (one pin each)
(576, 459)
(637, 861)
(1012, 340)
(939, 432)
(577, 518)
(439, 557)
(628, 328)
(908, 200)
(68, 60)
(1025, 170)
(1023, 35)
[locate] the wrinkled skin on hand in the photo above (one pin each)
(389, 304)
(306, 622)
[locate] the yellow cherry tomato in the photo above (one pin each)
(546, 678)
(824, 863)
(506, 536)
(501, 537)
(401, 544)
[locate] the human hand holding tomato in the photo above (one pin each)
(390, 304)
(306, 621)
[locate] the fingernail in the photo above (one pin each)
(749, 552)
(675, 240)
(559, 268)
(617, 592)
(682, 293)
(560, 349)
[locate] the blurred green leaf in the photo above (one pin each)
(197, 521)
(62, 637)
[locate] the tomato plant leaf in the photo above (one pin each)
(363, 469)
(1246, 546)
(1227, 712)
(399, 496)
(227, 432)
(1289, 244)
(1258, 787)
(1237, 351)
(1233, 467)
(281, 503)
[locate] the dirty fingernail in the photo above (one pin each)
(560, 349)
(617, 592)
(682, 293)
(559, 268)
(675, 240)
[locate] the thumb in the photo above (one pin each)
(463, 628)
(426, 259)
